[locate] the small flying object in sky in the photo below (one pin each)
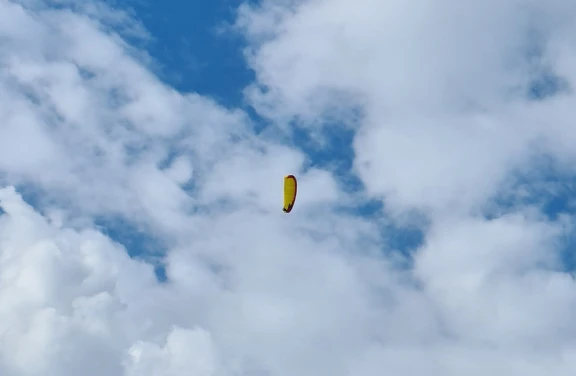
(290, 188)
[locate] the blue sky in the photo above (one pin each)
(193, 47)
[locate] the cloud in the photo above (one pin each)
(438, 98)
(449, 125)
(185, 352)
(443, 88)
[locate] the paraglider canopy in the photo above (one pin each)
(290, 188)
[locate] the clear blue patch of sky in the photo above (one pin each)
(194, 51)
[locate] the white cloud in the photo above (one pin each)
(185, 352)
(447, 126)
(180, 170)
(499, 281)
(442, 87)
(250, 290)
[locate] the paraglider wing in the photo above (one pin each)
(290, 188)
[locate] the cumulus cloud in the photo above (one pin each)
(443, 87)
(460, 105)
(447, 125)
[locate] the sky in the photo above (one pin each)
(143, 146)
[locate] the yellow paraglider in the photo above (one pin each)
(290, 188)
